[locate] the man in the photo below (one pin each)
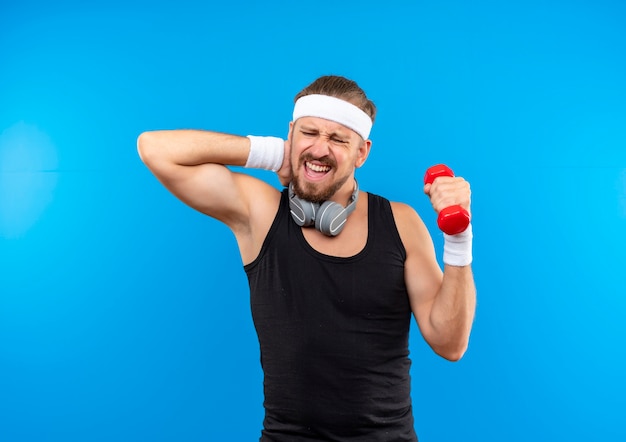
(334, 272)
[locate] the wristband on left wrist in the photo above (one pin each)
(457, 249)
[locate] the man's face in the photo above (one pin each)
(324, 155)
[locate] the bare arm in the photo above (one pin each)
(446, 319)
(443, 303)
(453, 311)
(191, 164)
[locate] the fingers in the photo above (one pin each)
(449, 191)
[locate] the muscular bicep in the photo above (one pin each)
(214, 190)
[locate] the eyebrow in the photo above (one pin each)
(338, 134)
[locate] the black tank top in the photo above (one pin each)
(333, 334)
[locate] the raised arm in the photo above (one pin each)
(443, 303)
(191, 164)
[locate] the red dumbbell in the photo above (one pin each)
(454, 219)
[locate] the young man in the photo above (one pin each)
(334, 272)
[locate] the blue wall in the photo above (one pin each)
(124, 314)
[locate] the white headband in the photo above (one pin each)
(333, 109)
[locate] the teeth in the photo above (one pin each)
(317, 168)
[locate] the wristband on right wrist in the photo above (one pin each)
(265, 153)
(457, 249)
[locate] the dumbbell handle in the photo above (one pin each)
(453, 219)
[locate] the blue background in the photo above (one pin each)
(124, 314)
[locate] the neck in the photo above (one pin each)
(344, 195)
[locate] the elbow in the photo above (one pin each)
(452, 353)
(152, 151)
(452, 356)
(145, 147)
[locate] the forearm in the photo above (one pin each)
(192, 148)
(452, 312)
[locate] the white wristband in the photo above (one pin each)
(266, 153)
(457, 249)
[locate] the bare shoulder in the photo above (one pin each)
(257, 190)
(412, 230)
(262, 198)
(405, 216)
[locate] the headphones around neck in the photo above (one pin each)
(328, 217)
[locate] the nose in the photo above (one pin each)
(321, 147)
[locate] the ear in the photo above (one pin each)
(291, 123)
(362, 153)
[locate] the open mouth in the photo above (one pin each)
(315, 170)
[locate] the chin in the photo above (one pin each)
(316, 192)
(311, 191)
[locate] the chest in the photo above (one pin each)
(349, 242)
(303, 274)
